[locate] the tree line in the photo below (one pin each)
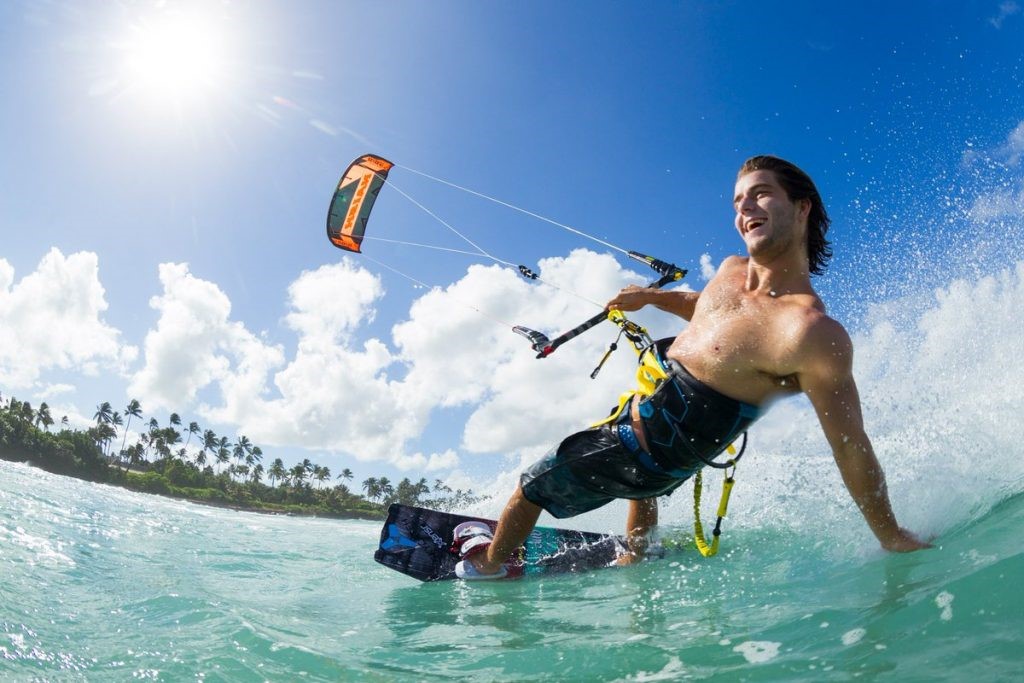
(217, 470)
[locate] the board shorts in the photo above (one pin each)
(686, 423)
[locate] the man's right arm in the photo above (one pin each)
(675, 301)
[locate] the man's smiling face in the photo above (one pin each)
(766, 218)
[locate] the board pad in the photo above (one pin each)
(417, 542)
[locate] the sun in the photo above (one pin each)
(174, 57)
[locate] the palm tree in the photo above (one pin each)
(223, 452)
(346, 474)
(372, 487)
(193, 428)
(238, 452)
(321, 474)
(104, 413)
(158, 442)
(209, 441)
(134, 456)
(133, 409)
(307, 466)
(116, 421)
(409, 493)
(298, 474)
(175, 420)
(43, 416)
(102, 434)
(277, 471)
(144, 442)
(27, 414)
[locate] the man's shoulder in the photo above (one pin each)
(821, 337)
(734, 261)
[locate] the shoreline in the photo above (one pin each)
(326, 514)
(128, 480)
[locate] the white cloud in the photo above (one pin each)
(58, 389)
(330, 302)
(1003, 203)
(1007, 8)
(1013, 149)
(447, 460)
(1006, 200)
(52, 319)
(521, 404)
(195, 343)
(707, 268)
(374, 398)
(332, 394)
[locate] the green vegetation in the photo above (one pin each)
(217, 472)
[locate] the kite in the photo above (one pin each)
(353, 200)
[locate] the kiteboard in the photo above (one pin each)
(417, 542)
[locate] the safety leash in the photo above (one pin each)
(706, 549)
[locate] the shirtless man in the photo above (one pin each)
(758, 331)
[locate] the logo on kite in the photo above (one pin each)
(353, 199)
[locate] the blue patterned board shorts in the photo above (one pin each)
(686, 423)
(590, 469)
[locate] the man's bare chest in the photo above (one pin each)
(742, 344)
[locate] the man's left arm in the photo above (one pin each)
(640, 520)
(827, 379)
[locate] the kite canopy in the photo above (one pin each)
(353, 200)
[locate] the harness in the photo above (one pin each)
(652, 372)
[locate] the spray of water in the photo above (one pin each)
(931, 291)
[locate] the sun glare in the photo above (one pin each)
(174, 58)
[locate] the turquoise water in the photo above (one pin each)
(97, 583)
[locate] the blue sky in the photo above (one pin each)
(180, 157)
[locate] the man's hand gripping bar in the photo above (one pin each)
(545, 347)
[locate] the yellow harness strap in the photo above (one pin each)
(649, 375)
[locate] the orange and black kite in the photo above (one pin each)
(353, 200)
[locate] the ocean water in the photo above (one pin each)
(99, 583)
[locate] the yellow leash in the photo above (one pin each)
(723, 506)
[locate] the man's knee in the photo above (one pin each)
(523, 505)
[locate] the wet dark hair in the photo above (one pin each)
(798, 185)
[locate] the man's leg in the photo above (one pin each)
(514, 525)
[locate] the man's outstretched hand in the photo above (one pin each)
(905, 542)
